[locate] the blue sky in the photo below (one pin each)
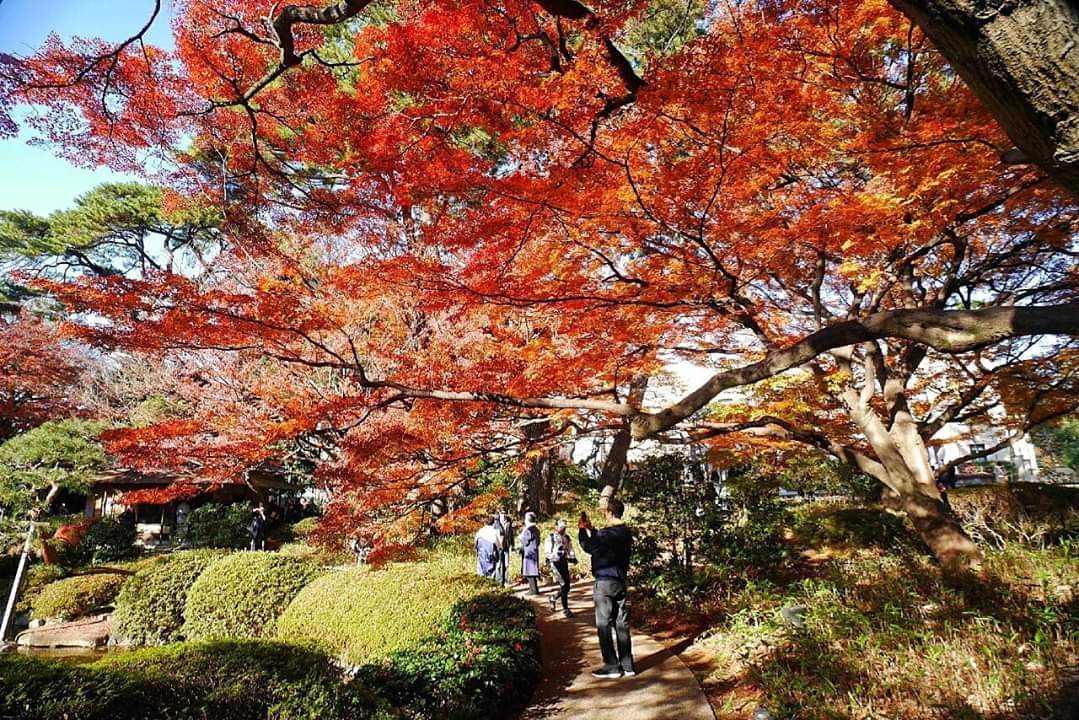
(33, 178)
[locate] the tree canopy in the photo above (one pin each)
(444, 219)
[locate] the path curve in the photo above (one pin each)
(663, 687)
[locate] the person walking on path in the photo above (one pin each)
(505, 525)
(530, 548)
(488, 548)
(559, 551)
(610, 549)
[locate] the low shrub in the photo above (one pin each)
(482, 664)
(218, 526)
(242, 594)
(826, 524)
(77, 596)
(107, 540)
(361, 614)
(36, 579)
(1031, 513)
(150, 607)
(228, 680)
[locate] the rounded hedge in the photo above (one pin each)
(482, 662)
(150, 607)
(242, 595)
(77, 596)
(360, 614)
(227, 680)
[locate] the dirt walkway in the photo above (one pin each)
(663, 687)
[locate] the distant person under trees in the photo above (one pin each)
(488, 548)
(559, 551)
(530, 547)
(257, 528)
(610, 549)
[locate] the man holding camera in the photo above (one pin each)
(610, 549)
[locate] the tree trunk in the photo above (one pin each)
(614, 468)
(536, 486)
(1021, 58)
(942, 533)
(614, 465)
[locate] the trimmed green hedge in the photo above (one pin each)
(150, 607)
(227, 680)
(107, 540)
(218, 526)
(76, 596)
(241, 595)
(483, 664)
(361, 614)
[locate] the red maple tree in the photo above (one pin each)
(447, 219)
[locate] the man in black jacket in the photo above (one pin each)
(610, 548)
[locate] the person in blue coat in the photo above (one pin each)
(488, 548)
(530, 553)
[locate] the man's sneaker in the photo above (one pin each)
(629, 673)
(607, 673)
(567, 612)
(552, 600)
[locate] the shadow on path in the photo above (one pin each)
(663, 687)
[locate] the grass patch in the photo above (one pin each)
(884, 635)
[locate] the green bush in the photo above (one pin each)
(241, 595)
(483, 663)
(218, 526)
(150, 608)
(107, 540)
(36, 579)
(77, 596)
(824, 524)
(228, 680)
(362, 614)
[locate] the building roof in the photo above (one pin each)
(130, 479)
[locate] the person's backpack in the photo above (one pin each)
(555, 549)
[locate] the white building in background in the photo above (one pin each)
(955, 440)
(958, 440)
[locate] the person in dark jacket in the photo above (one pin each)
(610, 548)
(257, 528)
(505, 524)
(530, 553)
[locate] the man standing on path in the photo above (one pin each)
(505, 525)
(610, 548)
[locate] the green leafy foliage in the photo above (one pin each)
(360, 614)
(482, 664)
(77, 596)
(107, 231)
(107, 540)
(64, 452)
(218, 526)
(243, 594)
(227, 680)
(150, 607)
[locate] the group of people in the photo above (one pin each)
(609, 548)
